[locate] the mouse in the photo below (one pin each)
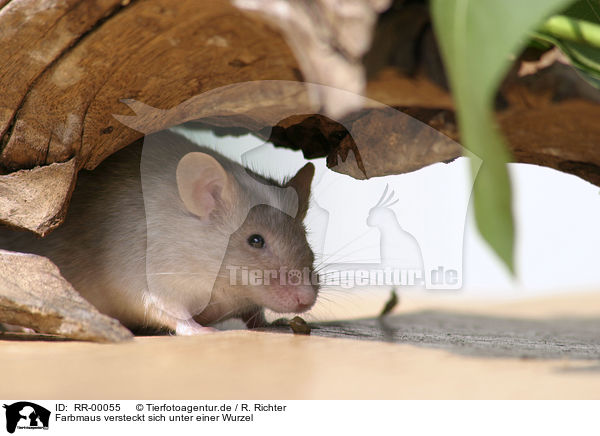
(168, 234)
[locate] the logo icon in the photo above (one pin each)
(26, 415)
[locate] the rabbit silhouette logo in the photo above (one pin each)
(26, 415)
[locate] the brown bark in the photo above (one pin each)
(68, 64)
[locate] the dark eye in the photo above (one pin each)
(256, 241)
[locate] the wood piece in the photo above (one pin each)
(33, 294)
(37, 199)
(75, 64)
(329, 39)
(155, 51)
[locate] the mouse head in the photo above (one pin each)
(267, 261)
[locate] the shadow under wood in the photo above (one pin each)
(475, 335)
(23, 336)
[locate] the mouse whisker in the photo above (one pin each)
(337, 257)
(365, 263)
(346, 255)
(253, 317)
(226, 315)
(349, 242)
(173, 273)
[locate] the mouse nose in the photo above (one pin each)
(305, 297)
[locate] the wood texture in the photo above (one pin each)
(77, 76)
(156, 51)
(34, 295)
(37, 199)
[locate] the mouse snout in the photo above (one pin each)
(291, 298)
(305, 297)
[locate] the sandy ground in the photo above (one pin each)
(437, 352)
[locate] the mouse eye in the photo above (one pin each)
(256, 241)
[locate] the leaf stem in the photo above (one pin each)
(567, 28)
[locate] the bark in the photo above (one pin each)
(72, 67)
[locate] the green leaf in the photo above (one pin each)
(586, 60)
(478, 39)
(577, 33)
(588, 10)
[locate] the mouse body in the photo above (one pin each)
(169, 234)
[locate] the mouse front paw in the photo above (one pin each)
(190, 327)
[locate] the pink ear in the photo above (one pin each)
(201, 181)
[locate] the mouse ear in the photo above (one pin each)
(301, 183)
(201, 182)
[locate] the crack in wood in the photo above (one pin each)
(9, 131)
